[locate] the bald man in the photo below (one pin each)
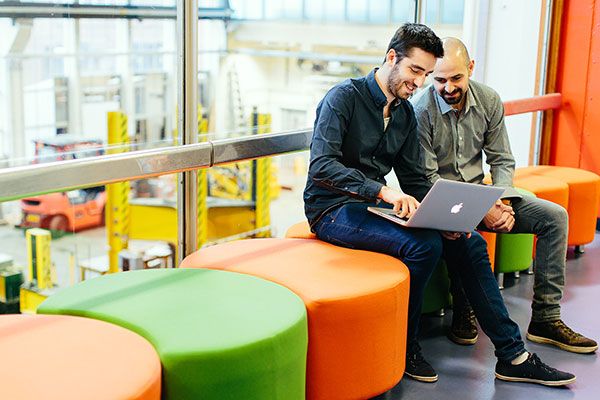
(459, 120)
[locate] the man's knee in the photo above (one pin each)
(429, 243)
(557, 215)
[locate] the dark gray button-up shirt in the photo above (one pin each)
(453, 142)
(351, 152)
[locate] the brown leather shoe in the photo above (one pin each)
(464, 329)
(557, 333)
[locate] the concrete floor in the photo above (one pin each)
(467, 372)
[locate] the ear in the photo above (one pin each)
(391, 57)
(470, 67)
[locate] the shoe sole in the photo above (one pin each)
(462, 341)
(567, 347)
(539, 382)
(427, 379)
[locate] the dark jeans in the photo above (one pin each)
(468, 263)
(351, 225)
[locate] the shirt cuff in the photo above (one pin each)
(371, 189)
(511, 193)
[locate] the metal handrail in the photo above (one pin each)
(19, 182)
(31, 180)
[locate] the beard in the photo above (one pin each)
(450, 98)
(396, 83)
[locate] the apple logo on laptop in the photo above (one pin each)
(456, 208)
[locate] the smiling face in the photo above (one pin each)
(451, 79)
(409, 73)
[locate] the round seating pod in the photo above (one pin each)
(357, 304)
(514, 251)
(300, 230)
(584, 198)
(219, 335)
(55, 357)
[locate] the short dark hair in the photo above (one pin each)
(411, 35)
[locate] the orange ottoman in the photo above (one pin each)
(301, 230)
(584, 198)
(356, 301)
(63, 357)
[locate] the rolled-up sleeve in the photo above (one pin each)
(326, 167)
(497, 149)
(425, 130)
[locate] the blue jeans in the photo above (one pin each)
(468, 263)
(351, 225)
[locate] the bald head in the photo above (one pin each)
(455, 51)
(451, 74)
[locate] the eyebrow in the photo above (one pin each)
(416, 66)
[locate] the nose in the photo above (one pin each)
(449, 88)
(420, 81)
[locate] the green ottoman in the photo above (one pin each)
(219, 335)
(437, 291)
(514, 251)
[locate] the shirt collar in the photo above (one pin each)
(445, 107)
(376, 92)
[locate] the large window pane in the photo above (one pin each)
(334, 10)
(313, 9)
(379, 12)
(452, 11)
(244, 9)
(357, 10)
(403, 11)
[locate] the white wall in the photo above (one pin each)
(504, 42)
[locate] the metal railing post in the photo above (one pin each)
(187, 122)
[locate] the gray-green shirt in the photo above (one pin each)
(454, 142)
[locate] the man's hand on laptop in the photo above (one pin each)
(500, 218)
(404, 205)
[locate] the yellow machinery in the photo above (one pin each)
(117, 194)
(40, 285)
(11, 279)
(245, 190)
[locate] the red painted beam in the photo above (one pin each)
(537, 103)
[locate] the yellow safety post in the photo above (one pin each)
(117, 194)
(39, 286)
(38, 255)
(261, 187)
(202, 178)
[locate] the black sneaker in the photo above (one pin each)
(464, 329)
(532, 370)
(559, 334)
(416, 366)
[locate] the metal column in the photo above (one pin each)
(187, 122)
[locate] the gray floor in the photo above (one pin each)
(467, 372)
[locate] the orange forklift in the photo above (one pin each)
(67, 211)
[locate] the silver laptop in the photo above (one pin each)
(448, 206)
